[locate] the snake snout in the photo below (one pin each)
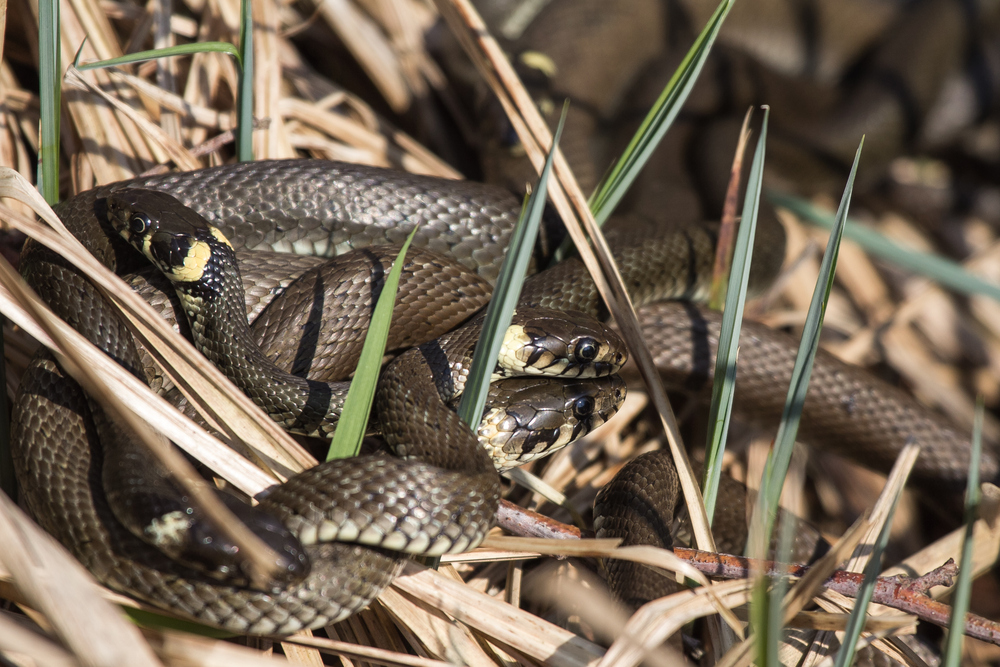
(208, 550)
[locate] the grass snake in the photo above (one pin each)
(321, 206)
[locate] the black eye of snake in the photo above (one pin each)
(586, 350)
(583, 406)
(139, 223)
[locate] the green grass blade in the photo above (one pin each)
(766, 613)
(243, 56)
(759, 602)
(946, 273)
(505, 295)
(766, 617)
(778, 461)
(729, 337)
(151, 619)
(152, 54)
(658, 120)
(963, 586)
(358, 404)
(244, 104)
(50, 98)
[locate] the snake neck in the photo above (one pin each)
(217, 317)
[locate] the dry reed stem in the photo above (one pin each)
(374, 655)
(505, 625)
(94, 631)
(19, 638)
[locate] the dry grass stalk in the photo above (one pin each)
(57, 586)
(507, 626)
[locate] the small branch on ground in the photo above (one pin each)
(907, 594)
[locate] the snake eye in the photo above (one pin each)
(583, 407)
(139, 223)
(586, 350)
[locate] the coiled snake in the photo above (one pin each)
(343, 577)
(66, 497)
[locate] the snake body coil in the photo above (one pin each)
(455, 506)
(65, 495)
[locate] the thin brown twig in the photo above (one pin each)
(907, 594)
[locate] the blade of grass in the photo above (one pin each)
(243, 56)
(766, 616)
(244, 105)
(729, 337)
(358, 404)
(151, 619)
(152, 54)
(777, 464)
(505, 294)
(963, 587)
(50, 98)
(178, 155)
(658, 120)
(946, 273)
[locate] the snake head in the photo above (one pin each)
(176, 239)
(206, 549)
(540, 341)
(527, 418)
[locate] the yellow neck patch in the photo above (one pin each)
(194, 263)
(198, 255)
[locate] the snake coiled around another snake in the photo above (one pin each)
(335, 586)
(120, 561)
